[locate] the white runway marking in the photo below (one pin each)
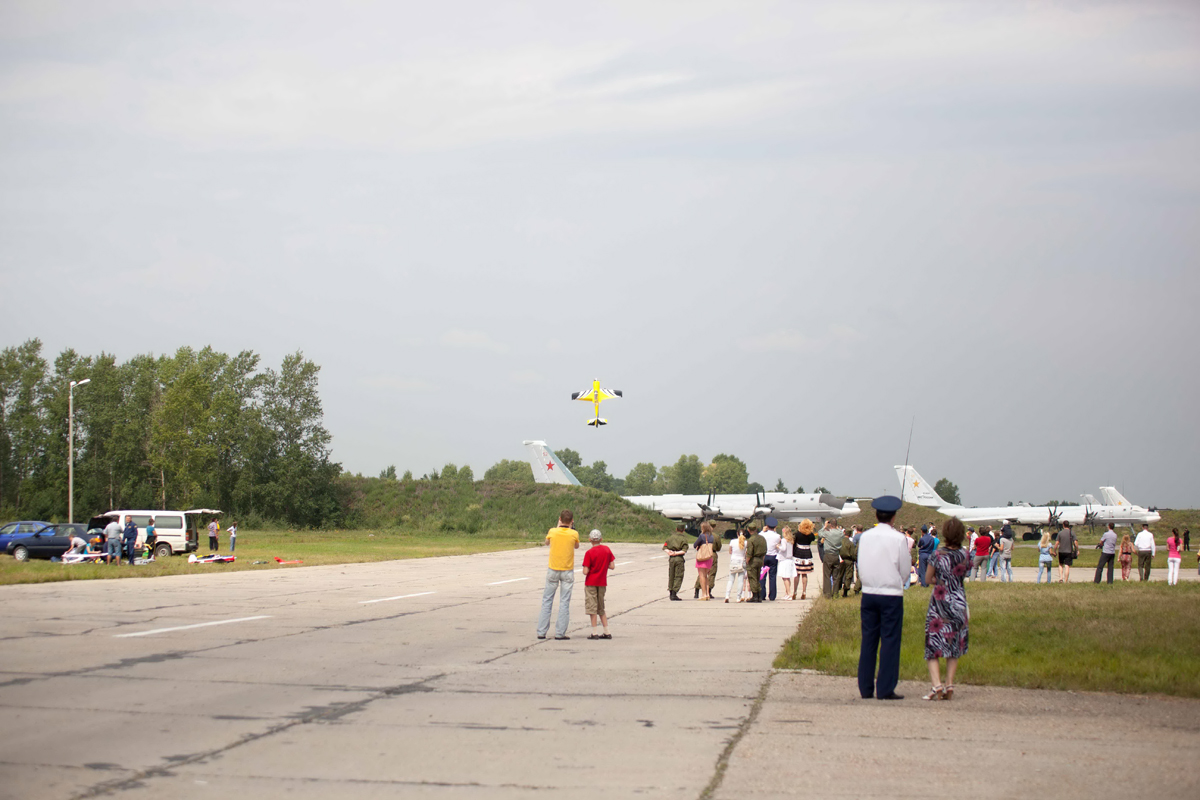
(654, 557)
(397, 597)
(623, 563)
(189, 627)
(510, 580)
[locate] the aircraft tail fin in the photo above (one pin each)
(597, 422)
(546, 466)
(915, 489)
(1113, 498)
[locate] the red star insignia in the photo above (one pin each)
(550, 465)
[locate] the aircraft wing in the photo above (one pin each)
(594, 395)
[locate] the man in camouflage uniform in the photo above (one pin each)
(756, 554)
(676, 546)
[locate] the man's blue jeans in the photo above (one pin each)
(562, 581)
(1006, 566)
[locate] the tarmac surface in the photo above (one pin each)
(424, 678)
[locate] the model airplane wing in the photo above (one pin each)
(597, 395)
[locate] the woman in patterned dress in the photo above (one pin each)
(946, 621)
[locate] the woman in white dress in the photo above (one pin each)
(787, 563)
(737, 567)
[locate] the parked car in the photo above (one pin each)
(71, 529)
(42, 544)
(19, 530)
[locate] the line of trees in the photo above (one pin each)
(725, 474)
(194, 429)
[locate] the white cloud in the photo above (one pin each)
(472, 340)
(398, 384)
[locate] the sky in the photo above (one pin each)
(788, 231)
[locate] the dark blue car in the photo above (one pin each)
(12, 531)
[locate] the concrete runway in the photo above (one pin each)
(424, 679)
(418, 678)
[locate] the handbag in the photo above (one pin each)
(704, 552)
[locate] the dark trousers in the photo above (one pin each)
(768, 589)
(212, 544)
(847, 578)
(674, 573)
(1105, 558)
(830, 560)
(922, 567)
(753, 569)
(882, 619)
(1145, 559)
(130, 544)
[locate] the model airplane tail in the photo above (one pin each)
(546, 466)
(915, 489)
(597, 422)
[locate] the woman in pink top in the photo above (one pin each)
(1174, 557)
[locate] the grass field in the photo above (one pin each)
(314, 547)
(1130, 638)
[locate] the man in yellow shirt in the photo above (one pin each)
(560, 577)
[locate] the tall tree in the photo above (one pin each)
(640, 480)
(726, 475)
(570, 459)
(948, 491)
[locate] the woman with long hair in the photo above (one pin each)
(1174, 557)
(737, 566)
(1045, 561)
(946, 622)
(1126, 556)
(787, 563)
(802, 550)
(704, 558)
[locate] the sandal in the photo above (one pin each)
(949, 691)
(803, 596)
(935, 694)
(594, 636)
(604, 636)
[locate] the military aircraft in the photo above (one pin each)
(915, 489)
(597, 395)
(785, 506)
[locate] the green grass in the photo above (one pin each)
(313, 547)
(1129, 638)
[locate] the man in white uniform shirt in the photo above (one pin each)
(772, 559)
(1146, 548)
(884, 565)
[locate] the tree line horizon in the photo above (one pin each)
(200, 428)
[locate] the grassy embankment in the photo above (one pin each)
(1134, 638)
(410, 519)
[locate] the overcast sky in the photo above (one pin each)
(783, 229)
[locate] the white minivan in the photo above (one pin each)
(175, 531)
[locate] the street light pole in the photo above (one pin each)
(71, 447)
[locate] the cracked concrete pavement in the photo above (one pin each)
(362, 679)
(423, 678)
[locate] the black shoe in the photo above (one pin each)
(562, 638)
(674, 596)
(541, 636)
(893, 696)
(696, 596)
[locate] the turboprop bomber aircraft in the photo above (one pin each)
(915, 489)
(785, 506)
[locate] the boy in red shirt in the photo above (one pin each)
(597, 561)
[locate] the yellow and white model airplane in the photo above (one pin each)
(596, 395)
